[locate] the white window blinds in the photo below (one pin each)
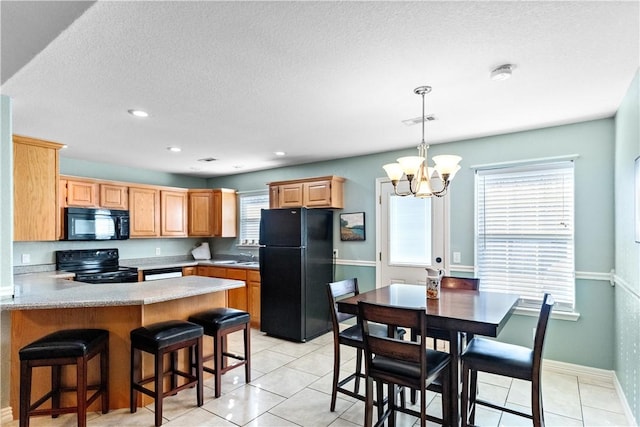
(525, 232)
(250, 207)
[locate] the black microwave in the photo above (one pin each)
(95, 224)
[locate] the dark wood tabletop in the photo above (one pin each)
(474, 312)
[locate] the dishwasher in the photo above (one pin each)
(161, 273)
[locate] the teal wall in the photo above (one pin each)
(592, 141)
(44, 252)
(627, 251)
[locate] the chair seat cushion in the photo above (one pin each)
(436, 361)
(164, 334)
(499, 358)
(66, 343)
(352, 336)
(219, 318)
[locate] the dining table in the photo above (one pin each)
(457, 311)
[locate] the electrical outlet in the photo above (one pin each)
(157, 251)
(26, 258)
(456, 257)
(335, 253)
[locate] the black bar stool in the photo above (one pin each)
(67, 347)
(159, 339)
(218, 323)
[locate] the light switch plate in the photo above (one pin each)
(456, 257)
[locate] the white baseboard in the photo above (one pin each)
(595, 374)
(6, 415)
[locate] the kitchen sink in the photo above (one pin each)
(249, 264)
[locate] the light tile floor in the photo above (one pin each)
(291, 386)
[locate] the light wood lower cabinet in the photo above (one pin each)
(247, 298)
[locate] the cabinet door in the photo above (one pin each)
(114, 196)
(201, 213)
(144, 211)
(291, 195)
(224, 213)
(35, 189)
(274, 199)
(237, 298)
(188, 271)
(253, 286)
(317, 194)
(173, 209)
(82, 193)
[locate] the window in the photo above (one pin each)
(250, 206)
(525, 232)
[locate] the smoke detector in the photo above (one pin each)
(503, 72)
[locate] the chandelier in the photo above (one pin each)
(416, 169)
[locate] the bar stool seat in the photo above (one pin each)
(218, 323)
(159, 339)
(66, 347)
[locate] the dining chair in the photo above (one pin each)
(351, 337)
(509, 360)
(458, 283)
(396, 362)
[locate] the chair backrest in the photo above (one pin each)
(468, 283)
(336, 291)
(392, 346)
(541, 330)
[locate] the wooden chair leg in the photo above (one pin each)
(134, 378)
(380, 394)
(104, 378)
(218, 347)
(25, 392)
(158, 384)
(56, 372)
(392, 402)
(368, 404)
(464, 398)
(247, 353)
(199, 376)
(81, 390)
(336, 375)
(536, 404)
(356, 387)
(473, 395)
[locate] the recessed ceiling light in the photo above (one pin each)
(65, 146)
(174, 149)
(279, 153)
(208, 159)
(503, 72)
(138, 113)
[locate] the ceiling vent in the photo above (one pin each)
(207, 159)
(418, 120)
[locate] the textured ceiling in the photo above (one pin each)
(319, 80)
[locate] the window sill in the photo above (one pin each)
(560, 315)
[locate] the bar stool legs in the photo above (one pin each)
(68, 347)
(160, 339)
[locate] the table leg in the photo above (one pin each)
(454, 398)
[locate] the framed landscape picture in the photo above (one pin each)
(352, 226)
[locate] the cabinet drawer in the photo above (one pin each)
(236, 274)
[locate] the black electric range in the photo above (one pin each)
(95, 266)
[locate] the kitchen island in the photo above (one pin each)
(48, 302)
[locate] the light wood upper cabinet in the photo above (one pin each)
(144, 212)
(212, 213)
(35, 189)
(114, 196)
(320, 192)
(224, 212)
(173, 208)
(201, 213)
(81, 193)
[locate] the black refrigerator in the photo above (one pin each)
(296, 263)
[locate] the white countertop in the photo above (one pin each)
(54, 290)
